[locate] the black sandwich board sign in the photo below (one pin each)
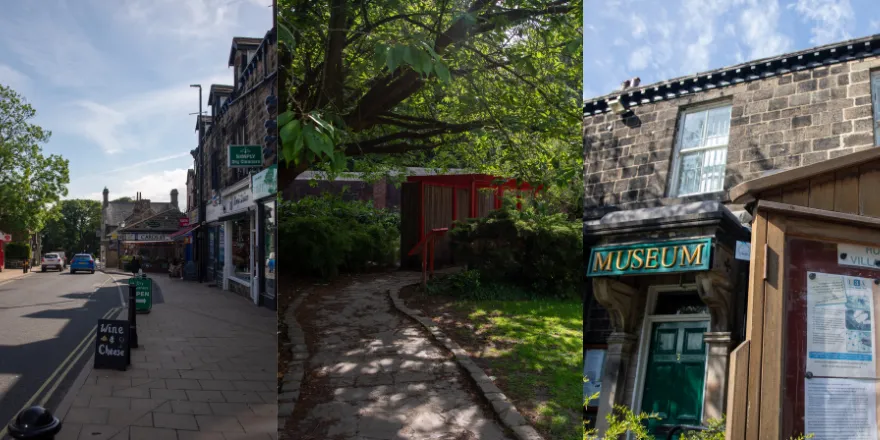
(112, 345)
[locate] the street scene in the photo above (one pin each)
(137, 221)
(430, 174)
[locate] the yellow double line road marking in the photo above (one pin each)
(81, 349)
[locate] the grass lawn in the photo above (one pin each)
(531, 348)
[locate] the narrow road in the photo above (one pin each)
(46, 334)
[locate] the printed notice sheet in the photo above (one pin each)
(840, 321)
(840, 408)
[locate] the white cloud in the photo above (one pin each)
(12, 78)
(759, 24)
(188, 19)
(638, 26)
(874, 25)
(138, 123)
(640, 58)
(832, 18)
(155, 186)
(54, 46)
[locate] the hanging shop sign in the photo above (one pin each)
(144, 236)
(265, 183)
(183, 222)
(648, 258)
(245, 156)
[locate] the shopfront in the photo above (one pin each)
(674, 293)
(156, 250)
(215, 234)
(239, 241)
(809, 363)
(264, 188)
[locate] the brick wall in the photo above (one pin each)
(779, 122)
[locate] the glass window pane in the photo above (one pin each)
(689, 173)
(875, 97)
(692, 131)
(718, 126)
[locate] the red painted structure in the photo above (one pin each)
(432, 203)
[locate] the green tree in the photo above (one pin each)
(491, 86)
(75, 229)
(30, 183)
(123, 199)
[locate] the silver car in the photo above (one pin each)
(51, 261)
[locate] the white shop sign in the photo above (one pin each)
(240, 200)
(144, 236)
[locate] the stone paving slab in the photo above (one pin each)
(376, 374)
(205, 370)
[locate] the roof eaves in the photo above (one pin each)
(829, 54)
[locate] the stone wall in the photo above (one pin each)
(779, 122)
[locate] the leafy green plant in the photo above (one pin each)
(17, 251)
(325, 235)
(538, 250)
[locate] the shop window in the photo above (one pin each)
(241, 246)
(875, 101)
(701, 151)
(680, 303)
(270, 248)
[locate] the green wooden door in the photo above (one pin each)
(675, 374)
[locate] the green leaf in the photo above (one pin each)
(468, 18)
(288, 152)
(394, 57)
(442, 72)
(409, 56)
(317, 142)
(430, 50)
(424, 61)
(286, 37)
(339, 161)
(380, 55)
(285, 118)
(290, 131)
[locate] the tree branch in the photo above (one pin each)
(333, 76)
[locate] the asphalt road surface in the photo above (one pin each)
(47, 323)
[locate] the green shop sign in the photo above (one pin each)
(143, 294)
(648, 258)
(245, 156)
(265, 183)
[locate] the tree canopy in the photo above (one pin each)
(488, 85)
(30, 182)
(75, 229)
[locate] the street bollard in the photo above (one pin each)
(34, 423)
(132, 317)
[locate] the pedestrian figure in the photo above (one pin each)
(135, 265)
(25, 266)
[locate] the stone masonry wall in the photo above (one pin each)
(777, 123)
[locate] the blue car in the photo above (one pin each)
(82, 263)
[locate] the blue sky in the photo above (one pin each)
(110, 79)
(659, 40)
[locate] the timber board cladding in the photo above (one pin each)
(410, 198)
(438, 214)
(854, 190)
(755, 396)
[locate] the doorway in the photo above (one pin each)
(672, 359)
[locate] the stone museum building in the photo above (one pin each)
(685, 270)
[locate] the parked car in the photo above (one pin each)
(51, 261)
(82, 263)
(63, 257)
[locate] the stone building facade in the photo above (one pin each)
(658, 162)
(243, 113)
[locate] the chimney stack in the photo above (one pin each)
(174, 199)
(106, 197)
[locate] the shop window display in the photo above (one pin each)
(241, 245)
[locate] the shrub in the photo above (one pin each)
(530, 248)
(322, 236)
(17, 251)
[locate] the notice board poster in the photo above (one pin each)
(840, 323)
(829, 344)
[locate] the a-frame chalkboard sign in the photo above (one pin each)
(112, 345)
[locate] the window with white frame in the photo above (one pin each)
(701, 150)
(875, 102)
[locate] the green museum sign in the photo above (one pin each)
(245, 156)
(648, 258)
(265, 183)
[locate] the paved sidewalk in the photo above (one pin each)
(373, 373)
(205, 370)
(13, 274)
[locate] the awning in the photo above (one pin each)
(182, 233)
